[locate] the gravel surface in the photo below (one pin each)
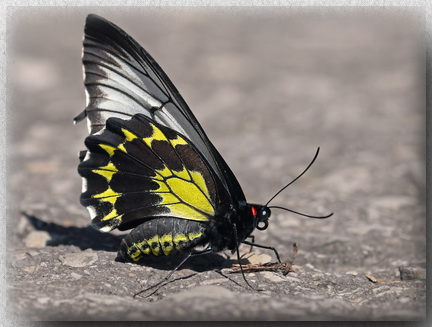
(269, 87)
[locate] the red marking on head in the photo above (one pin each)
(254, 211)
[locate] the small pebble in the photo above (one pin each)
(43, 300)
(273, 276)
(37, 239)
(412, 273)
(80, 259)
(76, 276)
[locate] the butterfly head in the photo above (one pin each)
(260, 215)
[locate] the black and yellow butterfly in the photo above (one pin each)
(149, 166)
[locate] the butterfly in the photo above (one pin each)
(149, 165)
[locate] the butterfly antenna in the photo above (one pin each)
(283, 188)
(302, 214)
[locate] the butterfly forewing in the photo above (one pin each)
(122, 79)
(138, 169)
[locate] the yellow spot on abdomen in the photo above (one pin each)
(166, 242)
(135, 256)
(143, 247)
(180, 241)
(193, 236)
(154, 244)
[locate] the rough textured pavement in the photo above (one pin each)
(269, 87)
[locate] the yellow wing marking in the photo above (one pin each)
(185, 211)
(185, 197)
(161, 174)
(189, 193)
(121, 147)
(112, 215)
(108, 196)
(156, 136)
(163, 188)
(129, 135)
(168, 198)
(199, 180)
(182, 173)
(108, 148)
(106, 171)
(184, 192)
(178, 141)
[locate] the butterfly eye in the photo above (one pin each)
(264, 213)
(261, 222)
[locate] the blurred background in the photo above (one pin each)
(268, 86)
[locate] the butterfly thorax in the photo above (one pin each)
(234, 226)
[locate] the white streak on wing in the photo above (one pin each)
(136, 104)
(165, 118)
(116, 102)
(135, 77)
(97, 133)
(87, 101)
(87, 156)
(106, 229)
(125, 84)
(87, 97)
(84, 187)
(92, 212)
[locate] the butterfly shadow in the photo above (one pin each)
(201, 263)
(81, 237)
(89, 238)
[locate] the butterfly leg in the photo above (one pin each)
(238, 257)
(190, 254)
(264, 247)
(252, 237)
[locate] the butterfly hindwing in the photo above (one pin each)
(137, 169)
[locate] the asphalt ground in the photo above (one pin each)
(269, 86)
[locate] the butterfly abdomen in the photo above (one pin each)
(162, 237)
